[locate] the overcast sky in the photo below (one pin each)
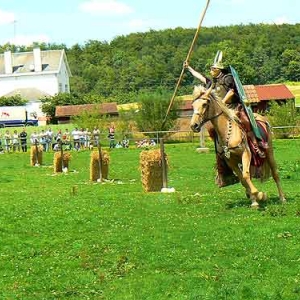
(78, 21)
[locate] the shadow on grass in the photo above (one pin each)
(241, 203)
(274, 200)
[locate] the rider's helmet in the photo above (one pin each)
(218, 64)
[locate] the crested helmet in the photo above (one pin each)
(218, 64)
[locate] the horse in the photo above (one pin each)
(231, 143)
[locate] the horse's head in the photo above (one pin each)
(200, 105)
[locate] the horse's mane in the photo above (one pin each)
(228, 112)
(200, 90)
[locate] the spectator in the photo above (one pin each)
(118, 145)
(96, 136)
(34, 137)
(23, 140)
(1, 148)
(66, 139)
(125, 142)
(76, 137)
(42, 139)
(7, 140)
(111, 136)
(82, 138)
(152, 143)
(112, 129)
(15, 141)
(49, 138)
(87, 136)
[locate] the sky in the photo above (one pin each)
(73, 22)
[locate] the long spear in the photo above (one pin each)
(187, 59)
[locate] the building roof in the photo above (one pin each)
(255, 94)
(186, 105)
(75, 110)
(31, 94)
(22, 62)
(273, 92)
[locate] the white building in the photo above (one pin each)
(34, 75)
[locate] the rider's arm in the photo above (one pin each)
(228, 96)
(197, 75)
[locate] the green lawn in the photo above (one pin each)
(295, 89)
(64, 237)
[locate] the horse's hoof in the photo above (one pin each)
(265, 197)
(283, 200)
(254, 205)
(261, 196)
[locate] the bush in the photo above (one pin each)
(283, 115)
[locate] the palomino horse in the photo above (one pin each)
(232, 144)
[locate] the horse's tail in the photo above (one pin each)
(263, 172)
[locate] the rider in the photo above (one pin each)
(225, 89)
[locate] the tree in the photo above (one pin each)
(50, 103)
(12, 101)
(152, 111)
(91, 119)
(282, 114)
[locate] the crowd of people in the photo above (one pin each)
(77, 139)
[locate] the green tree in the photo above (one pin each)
(91, 119)
(12, 101)
(282, 114)
(49, 103)
(152, 111)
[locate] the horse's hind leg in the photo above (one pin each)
(274, 171)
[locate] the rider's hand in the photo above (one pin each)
(185, 65)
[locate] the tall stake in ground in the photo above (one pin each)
(100, 162)
(61, 155)
(163, 163)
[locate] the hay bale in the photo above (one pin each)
(151, 170)
(57, 161)
(94, 165)
(36, 155)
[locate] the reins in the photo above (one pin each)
(209, 119)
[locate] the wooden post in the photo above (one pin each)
(36, 153)
(163, 163)
(61, 155)
(202, 142)
(100, 162)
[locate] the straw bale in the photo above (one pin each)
(94, 165)
(36, 158)
(57, 161)
(151, 170)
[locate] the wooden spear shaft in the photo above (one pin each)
(187, 59)
(163, 164)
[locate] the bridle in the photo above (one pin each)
(204, 118)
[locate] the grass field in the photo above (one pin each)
(63, 237)
(295, 89)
